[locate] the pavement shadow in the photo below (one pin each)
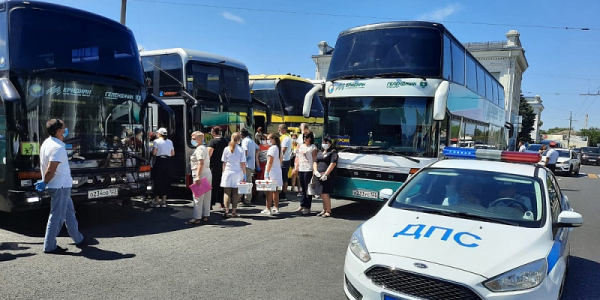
(357, 211)
(95, 253)
(15, 246)
(582, 278)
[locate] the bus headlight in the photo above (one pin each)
(524, 277)
(358, 247)
(26, 182)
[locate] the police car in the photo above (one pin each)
(483, 224)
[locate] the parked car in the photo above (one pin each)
(568, 163)
(590, 155)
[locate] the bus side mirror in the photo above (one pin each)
(197, 114)
(440, 101)
(308, 99)
(11, 100)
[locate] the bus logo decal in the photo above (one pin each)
(55, 90)
(330, 89)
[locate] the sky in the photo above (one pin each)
(279, 37)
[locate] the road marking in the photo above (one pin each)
(593, 176)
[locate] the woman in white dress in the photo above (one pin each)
(234, 172)
(200, 165)
(273, 172)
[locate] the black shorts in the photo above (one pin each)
(285, 169)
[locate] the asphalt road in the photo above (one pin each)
(150, 254)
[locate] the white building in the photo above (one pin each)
(322, 60)
(506, 61)
(538, 107)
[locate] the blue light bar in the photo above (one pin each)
(456, 152)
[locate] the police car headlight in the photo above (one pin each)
(357, 246)
(524, 277)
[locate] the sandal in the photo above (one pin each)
(226, 216)
(321, 214)
(234, 215)
(326, 215)
(193, 222)
(205, 219)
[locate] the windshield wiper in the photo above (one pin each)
(398, 154)
(351, 76)
(464, 215)
(375, 149)
(77, 71)
(399, 74)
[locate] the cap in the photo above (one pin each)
(552, 144)
(327, 139)
(162, 131)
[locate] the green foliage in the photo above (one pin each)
(554, 130)
(593, 135)
(526, 111)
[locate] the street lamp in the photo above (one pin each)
(123, 11)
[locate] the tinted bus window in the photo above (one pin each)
(458, 64)
(471, 74)
(447, 68)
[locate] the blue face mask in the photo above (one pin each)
(194, 143)
(66, 132)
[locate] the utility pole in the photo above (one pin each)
(123, 11)
(570, 125)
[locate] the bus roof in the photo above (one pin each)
(10, 4)
(195, 55)
(280, 77)
(396, 24)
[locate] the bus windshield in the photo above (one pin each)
(399, 124)
(415, 51)
(218, 82)
(287, 97)
(101, 119)
(38, 41)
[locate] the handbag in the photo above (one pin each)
(200, 189)
(314, 186)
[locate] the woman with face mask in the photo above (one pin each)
(324, 168)
(200, 165)
(234, 172)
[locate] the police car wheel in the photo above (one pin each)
(508, 201)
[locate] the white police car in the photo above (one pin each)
(466, 229)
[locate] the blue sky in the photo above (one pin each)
(274, 37)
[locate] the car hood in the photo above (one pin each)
(480, 247)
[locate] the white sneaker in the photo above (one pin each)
(305, 211)
(265, 212)
(274, 211)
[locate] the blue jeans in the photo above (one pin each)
(61, 211)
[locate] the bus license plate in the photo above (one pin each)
(103, 193)
(365, 194)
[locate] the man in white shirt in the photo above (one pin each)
(286, 149)
(251, 150)
(56, 177)
(521, 146)
(552, 157)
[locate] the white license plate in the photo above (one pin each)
(591, 159)
(365, 194)
(103, 193)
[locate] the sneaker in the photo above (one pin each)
(163, 205)
(295, 189)
(306, 211)
(301, 194)
(265, 211)
(57, 250)
(274, 211)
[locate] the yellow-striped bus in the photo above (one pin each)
(284, 94)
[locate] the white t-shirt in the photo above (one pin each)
(305, 158)
(552, 156)
(249, 145)
(54, 149)
(522, 148)
(164, 147)
(200, 153)
(286, 142)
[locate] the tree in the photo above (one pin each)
(528, 122)
(593, 135)
(554, 130)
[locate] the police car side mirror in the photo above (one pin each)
(569, 219)
(386, 194)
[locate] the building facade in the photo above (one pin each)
(538, 107)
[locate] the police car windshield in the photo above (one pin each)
(473, 194)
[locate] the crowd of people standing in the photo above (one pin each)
(226, 163)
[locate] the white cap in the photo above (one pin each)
(162, 131)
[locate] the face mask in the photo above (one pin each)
(269, 142)
(264, 142)
(194, 143)
(66, 132)
(325, 146)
